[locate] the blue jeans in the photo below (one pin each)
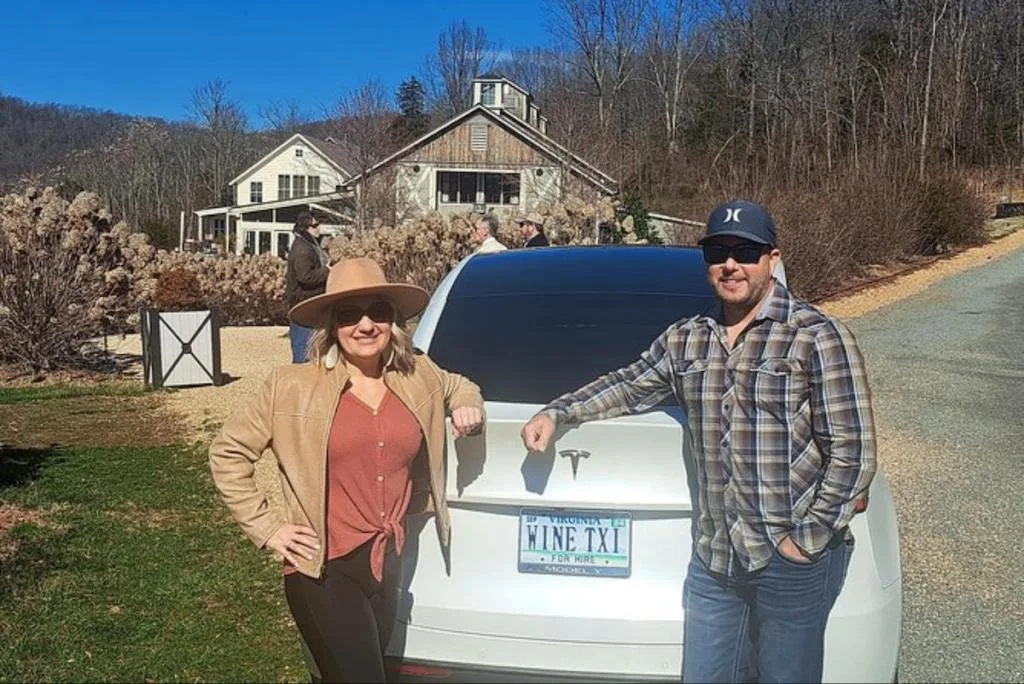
(299, 337)
(764, 626)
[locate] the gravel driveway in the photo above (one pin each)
(948, 377)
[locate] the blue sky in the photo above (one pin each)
(146, 57)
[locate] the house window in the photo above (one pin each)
(457, 187)
(501, 188)
(512, 102)
(218, 226)
(487, 94)
(255, 193)
(314, 185)
(283, 243)
(284, 187)
(478, 136)
(250, 242)
(298, 186)
(298, 151)
(264, 246)
(462, 187)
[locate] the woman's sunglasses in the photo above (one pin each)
(378, 312)
(743, 252)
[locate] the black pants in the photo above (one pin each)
(347, 617)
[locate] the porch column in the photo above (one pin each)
(181, 232)
(227, 229)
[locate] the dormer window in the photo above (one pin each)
(298, 151)
(497, 92)
(488, 94)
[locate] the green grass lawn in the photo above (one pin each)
(126, 567)
(18, 395)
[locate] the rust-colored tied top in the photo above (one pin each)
(369, 456)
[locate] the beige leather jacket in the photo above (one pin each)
(293, 414)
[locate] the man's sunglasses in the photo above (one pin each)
(743, 252)
(378, 312)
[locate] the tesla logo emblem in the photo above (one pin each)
(575, 455)
(733, 215)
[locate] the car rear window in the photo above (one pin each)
(531, 348)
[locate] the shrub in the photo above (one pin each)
(419, 251)
(423, 250)
(177, 289)
(66, 277)
(870, 216)
(950, 214)
(247, 290)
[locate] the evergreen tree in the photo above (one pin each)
(413, 120)
(633, 206)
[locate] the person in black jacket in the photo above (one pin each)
(531, 228)
(306, 277)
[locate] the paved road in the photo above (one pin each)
(947, 369)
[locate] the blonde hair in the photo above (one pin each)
(324, 349)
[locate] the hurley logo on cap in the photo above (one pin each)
(732, 214)
(741, 219)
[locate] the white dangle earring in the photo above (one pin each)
(331, 357)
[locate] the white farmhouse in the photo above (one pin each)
(301, 174)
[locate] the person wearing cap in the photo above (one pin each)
(531, 228)
(305, 277)
(351, 431)
(780, 416)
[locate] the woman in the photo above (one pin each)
(305, 276)
(347, 430)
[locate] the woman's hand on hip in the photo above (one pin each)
(294, 540)
(466, 421)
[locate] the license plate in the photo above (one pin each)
(567, 542)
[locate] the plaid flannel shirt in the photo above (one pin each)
(781, 425)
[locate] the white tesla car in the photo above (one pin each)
(569, 565)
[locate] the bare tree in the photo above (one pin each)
(363, 120)
(533, 68)
(670, 58)
(463, 53)
(284, 117)
(938, 11)
(606, 34)
(226, 125)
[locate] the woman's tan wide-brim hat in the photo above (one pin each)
(354, 278)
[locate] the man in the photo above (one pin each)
(531, 228)
(780, 413)
(305, 277)
(484, 232)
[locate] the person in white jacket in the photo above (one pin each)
(484, 232)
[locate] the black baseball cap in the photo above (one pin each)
(742, 219)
